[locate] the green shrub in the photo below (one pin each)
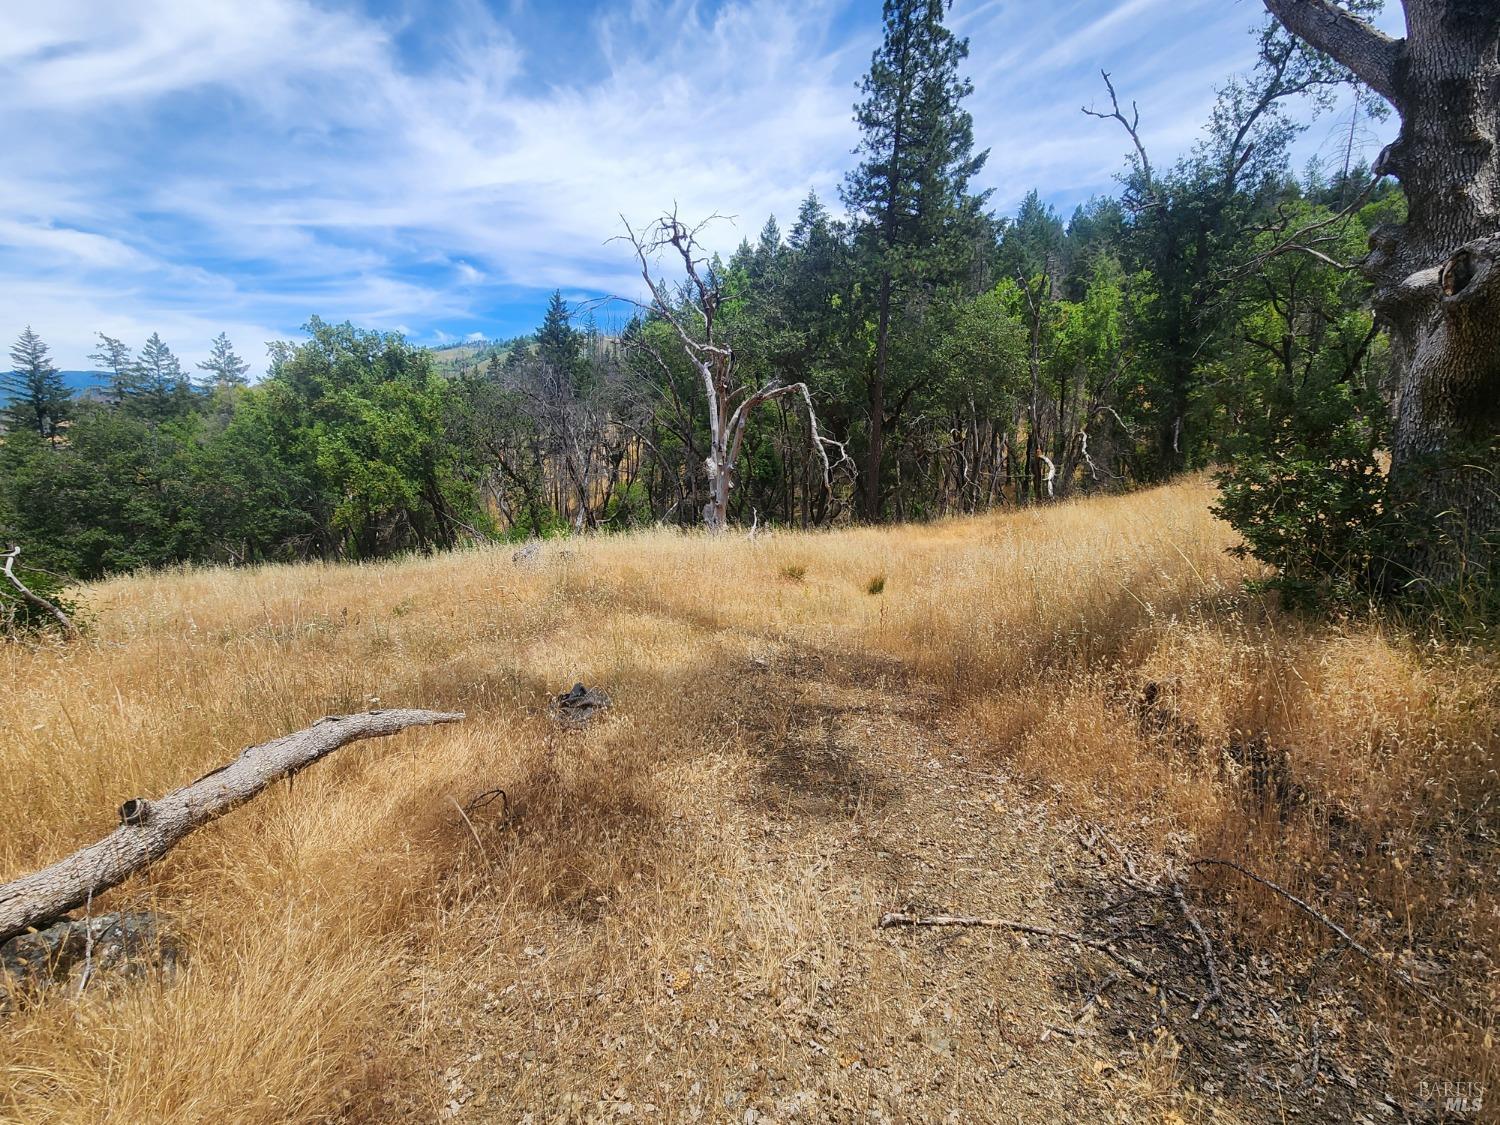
(1303, 487)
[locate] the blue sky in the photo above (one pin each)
(438, 166)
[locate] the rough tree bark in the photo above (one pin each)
(150, 829)
(1436, 277)
(730, 402)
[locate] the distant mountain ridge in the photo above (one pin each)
(80, 381)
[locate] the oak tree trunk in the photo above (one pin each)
(1437, 276)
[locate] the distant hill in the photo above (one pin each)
(81, 383)
(453, 359)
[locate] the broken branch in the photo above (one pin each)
(1214, 993)
(36, 600)
(150, 829)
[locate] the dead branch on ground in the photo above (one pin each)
(35, 600)
(150, 829)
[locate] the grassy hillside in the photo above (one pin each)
(672, 914)
(449, 360)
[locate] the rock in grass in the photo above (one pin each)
(120, 945)
(576, 707)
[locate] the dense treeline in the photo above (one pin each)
(1206, 315)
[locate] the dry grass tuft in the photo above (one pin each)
(721, 838)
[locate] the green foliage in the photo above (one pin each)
(359, 420)
(1305, 424)
(1304, 489)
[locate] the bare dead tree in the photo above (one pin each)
(696, 322)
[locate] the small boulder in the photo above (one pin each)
(576, 707)
(123, 945)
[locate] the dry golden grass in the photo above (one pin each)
(696, 873)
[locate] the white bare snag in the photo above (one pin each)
(730, 401)
(34, 599)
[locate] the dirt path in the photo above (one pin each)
(739, 976)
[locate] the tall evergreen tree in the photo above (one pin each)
(116, 363)
(39, 399)
(557, 342)
(157, 389)
(225, 368)
(911, 188)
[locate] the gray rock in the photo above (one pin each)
(576, 707)
(119, 945)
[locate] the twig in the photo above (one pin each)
(88, 944)
(1215, 993)
(472, 830)
(487, 798)
(1088, 1005)
(1399, 974)
(1133, 877)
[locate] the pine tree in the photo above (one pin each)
(557, 342)
(39, 399)
(156, 388)
(910, 192)
(225, 368)
(114, 360)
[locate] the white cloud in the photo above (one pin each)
(194, 165)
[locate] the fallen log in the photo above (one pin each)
(150, 829)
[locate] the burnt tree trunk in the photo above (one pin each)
(1437, 277)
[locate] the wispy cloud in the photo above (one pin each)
(189, 167)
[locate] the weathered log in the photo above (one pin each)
(150, 829)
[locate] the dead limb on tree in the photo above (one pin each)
(149, 829)
(1147, 196)
(36, 601)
